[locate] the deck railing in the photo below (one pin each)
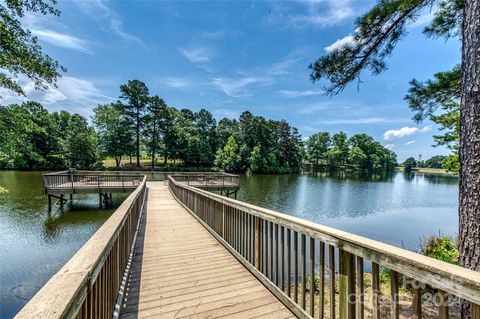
(372, 279)
(88, 284)
(206, 180)
(65, 180)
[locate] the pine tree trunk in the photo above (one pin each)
(469, 200)
(138, 137)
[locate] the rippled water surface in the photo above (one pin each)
(397, 208)
(35, 244)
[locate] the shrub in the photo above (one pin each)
(442, 248)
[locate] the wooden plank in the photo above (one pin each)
(456, 280)
(221, 291)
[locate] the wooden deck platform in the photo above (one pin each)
(180, 271)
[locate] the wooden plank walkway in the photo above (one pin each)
(181, 271)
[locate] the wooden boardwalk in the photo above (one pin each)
(181, 271)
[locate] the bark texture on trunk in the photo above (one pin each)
(469, 199)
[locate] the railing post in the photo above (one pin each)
(347, 285)
(257, 242)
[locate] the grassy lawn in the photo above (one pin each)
(144, 162)
(426, 170)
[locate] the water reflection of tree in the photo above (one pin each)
(360, 176)
(58, 221)
(440, 179)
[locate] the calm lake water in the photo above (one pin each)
(396, 208)
(34, 244)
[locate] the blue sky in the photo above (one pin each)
(229, 57)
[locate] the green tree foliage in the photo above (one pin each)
(154, 121)
(135, 94)
(433, 162)
(227, 158)
(114, 134)
(33, 138)
(409, 164)
(360, 151)
(266, 146)
(80, 143)
(442, 248)
(20, 52)
(317, 146)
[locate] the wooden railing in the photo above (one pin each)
(64, 180)
(288, 254)
(88, 285)
(206, 180)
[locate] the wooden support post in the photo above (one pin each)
(443, 305)
(61, 201)
(71, 197)
(417, 301)
(395, 312)
(360, 292)
(376, 290)
(331, 273)
(49, 203)
(347, 285)
(100, 199)
(474, 311)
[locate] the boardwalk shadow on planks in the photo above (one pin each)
(130, 303)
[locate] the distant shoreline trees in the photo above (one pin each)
(143, 125)
(360, 151)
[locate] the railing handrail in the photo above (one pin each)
(453, 279)
(62, 296)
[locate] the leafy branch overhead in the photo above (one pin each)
(20, 53)
(376, 35)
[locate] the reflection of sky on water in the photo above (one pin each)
(34, 243)
(398, 209)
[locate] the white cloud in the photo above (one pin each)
(196, 55)
(340, 43)
(389, 146)
(410, 142)
(282, 66)
(404, 131)
(237, 87)
(78, 95)
(294, 93)
(324, 13)
(177, 82)
(100, 11)
(62, 40)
